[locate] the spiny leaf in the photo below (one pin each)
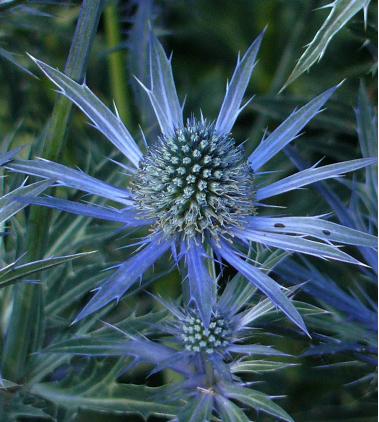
(20, 407)
(97, 390)
(11, 273)
(103, 119)
(342, 11)
(230, 412)
(197, 410)
(258, 366)
(256, 400)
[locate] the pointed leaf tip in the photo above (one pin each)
(288, 130)
(341, 13)
(162, 91)
(103, 119)
(235, 91)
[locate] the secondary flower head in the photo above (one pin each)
(196, 190)
(198, 338)
(212, 361)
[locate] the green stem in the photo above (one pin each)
(209, 371)
(26, 325)
(119, 87)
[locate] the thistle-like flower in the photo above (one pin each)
(197, 190)
(212, 360)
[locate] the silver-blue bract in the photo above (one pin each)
(353, 315)
(200, 207)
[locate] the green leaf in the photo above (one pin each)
(96, 389)
(258, 366)
(342, 11)
(14, 407)
(229, 412)
(91, 346)
(198, 409)
(12, 273)
(306, 309)
(256, 400)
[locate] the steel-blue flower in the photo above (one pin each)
(196, 189)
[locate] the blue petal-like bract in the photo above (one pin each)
(235, 91)
(162, 91)
(229, 411)
(313, 226)
(126, 275)
(295, 244)
(4, 158)
(288, 130)
(312, 175)
(331, 198)
(103, 119)
(201, 285)
(322, 287)
(71, 178)
(139, 58)
(127, 216)
(263, 282)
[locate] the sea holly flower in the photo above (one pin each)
(196, 189)
(212, 360)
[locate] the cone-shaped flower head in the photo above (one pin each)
(198, 338)
(195, 182)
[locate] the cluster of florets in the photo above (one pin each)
(194, 182)
(197, 338)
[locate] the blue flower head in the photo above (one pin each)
(212, 360)
(196, 190)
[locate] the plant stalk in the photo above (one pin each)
(116, 63)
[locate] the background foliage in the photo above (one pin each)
(205, 36)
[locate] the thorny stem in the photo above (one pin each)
(28, 298)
